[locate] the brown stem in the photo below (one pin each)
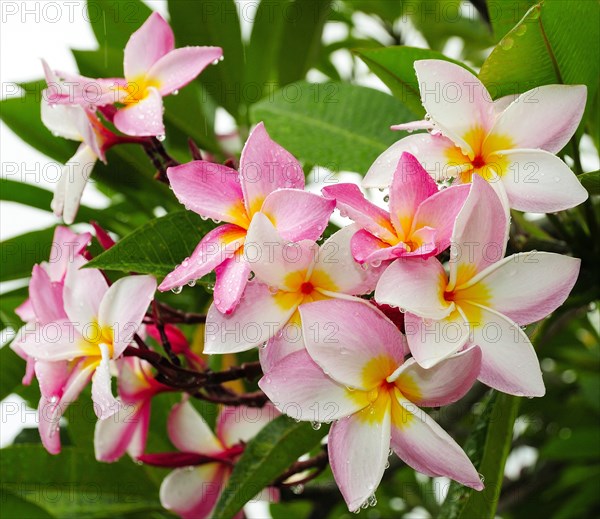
(318, 462)
(194, 150)
(173, 316)
(254, 399)
(163, 335)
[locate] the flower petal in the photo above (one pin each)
(352, 341)
(432, 341)
(539, 182)
(358, 453)
(232, 277)
(421, 443)
(525, 287)
(60, 120)
(142, 118)
(509, 362)
(265, 166)
(190, 433)
(286, 341)
(416, 285)
(66, 245)
(434, 152)
(180, 66)
(55, 341)
(52, 377)
(545, 117)
(105, 404)
(123, 307)
(298, 215)
(113, 435)
(211, 190)
(480, 234)
(192, 492)
(147, 45)
(258, 317)
(240, 424)
(298, 387)
(215, 247)
(352, 203)
(46, 297)
(369, 249)
(76, 171)
(410, 187)
(442, 384)
(455, 99)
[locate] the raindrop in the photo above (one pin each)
(386, 198)
(192, 283)
(263, 345)
(161, 137)
(481, 477)
(316, 425)
(297, 489)
(251, 276)
(507, 43)
(177, 290)
(175, 92)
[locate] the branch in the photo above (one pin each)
(318, 462)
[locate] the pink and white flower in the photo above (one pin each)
(270, 181)
(127, 429)
(419, 222)
(287, 275)
(98, 324)
(357, 378)
(485, 300)
(511, 142)
(206, 459)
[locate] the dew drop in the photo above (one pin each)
(192, 283)
(316, 425)
(297, 489)
(175, 92)
(263, 345)
(507, 43)
(386, 198)
(161, 137)
(177, 290)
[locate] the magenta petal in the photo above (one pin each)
(232, 277)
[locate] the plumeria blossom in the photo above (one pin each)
(485, 299)
(510, 144)
(127, 429)
(206, 459)
(358, 378)
(419, 222)
(97, 325)
(79, 124)
(153, 69)
(45, 301)
(287, 275)
(270, 181)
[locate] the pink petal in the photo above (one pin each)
(298, 215)
(545, 117)
(142, 118)
(432, 341)
(105, 404)
(298, 387)
(439, 212)
(147, 45)
(240, 424)
(509, 363)
(442, 384)
(343, 337)
(432, 151)
(137, 444)
(66, 245)
(232, 277)
(83, 291)
(46, 297)
(180, 66)
(258, 317)
(421, 443)
(123, 307)
(525, 287)
(358, 453)
(265, 166)
(353, 204)
(190, 433)
(336, 272)
(287, 341)
(539, 182)
(369, 249)
(55, 341)
(211, 190)
(134, 380)
(217, 246)
(25, 311)
(422, 285)
(411, 186)
(455, 99)
(480, 234)
(52, 377)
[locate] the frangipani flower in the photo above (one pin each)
(484, 300)
(206, 459)
(99, 323)
(45, 301)
(419, 222)
(357, 378)
(287, 275)
(510, 144)
(270, 181)
(127, 429)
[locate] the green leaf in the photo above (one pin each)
(336, 125)
(505, 14)
(279, 444)
(394, 66)
(555, 42)
(591, 181)
(8, 302)
(488, 447)
(582, 444)
(15, 506)
(21, 253)
(22, 116)
(205, 22)
(12, 369)
(74, 484)
(156, 247)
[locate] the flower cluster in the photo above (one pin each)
(403, 309)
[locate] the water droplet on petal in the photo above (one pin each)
(316, 425)
(161, 137)
(177, 290)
